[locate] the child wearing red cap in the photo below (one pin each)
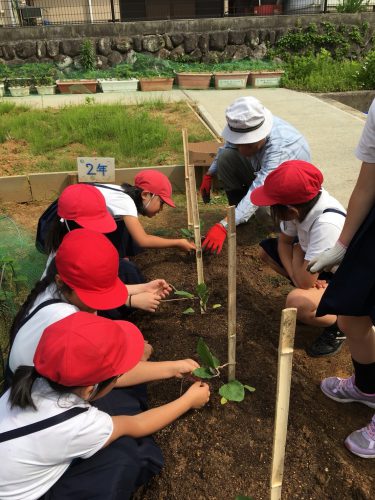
(56, 444)
(310, 221)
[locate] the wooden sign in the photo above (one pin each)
(96, 169)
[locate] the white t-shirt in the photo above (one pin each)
(28, 336)
(366, 147)
(118, 202)
(318, 231)
(32, 464)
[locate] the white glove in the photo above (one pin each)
(328, 259)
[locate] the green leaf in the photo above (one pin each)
(233, 391)
(182, 293)
(216, 306)
(206, 356)
(189, 310)
(186, 233)
(203, 372)
(223, 401)
(249, 388)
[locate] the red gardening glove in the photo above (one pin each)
(206, 188)
(215, 239)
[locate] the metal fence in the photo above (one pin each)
(16, 13)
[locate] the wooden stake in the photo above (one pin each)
(285, 359)
(232, 250)
(187, 185)
(196, 225)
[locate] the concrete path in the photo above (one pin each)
(331, 128)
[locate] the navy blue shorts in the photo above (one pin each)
(269, 245)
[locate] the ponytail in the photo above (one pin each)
(20, 391)
(56, 233)
(136, 195)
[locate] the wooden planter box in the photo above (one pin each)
(76, 86)
(194, 81)
(150, 84)
(46, 89)
(19, 91)
(112, 85)
(265, 78)
(234, 80)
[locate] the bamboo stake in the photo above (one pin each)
(187, 185)
(196, 225)
(284, 373)
(231, 293)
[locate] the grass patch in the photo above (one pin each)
(142, 135)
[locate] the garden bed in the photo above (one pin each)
(222, 451)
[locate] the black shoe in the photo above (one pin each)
(328, 343)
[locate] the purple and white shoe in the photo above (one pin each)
(362, 442)
(343, 390)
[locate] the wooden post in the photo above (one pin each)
(232, 250)
(284, 373)
(196, 225)
(187, 185)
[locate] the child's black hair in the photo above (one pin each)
(22, 383)
(38, 289)
(56, 233)
(136, 195)
(279, 212)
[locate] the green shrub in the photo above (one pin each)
(366, 73)
(351, 6)
(87, 55)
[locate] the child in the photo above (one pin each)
(310, 221)
(55, 443)
(83, 205)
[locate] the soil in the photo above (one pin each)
(222, 451)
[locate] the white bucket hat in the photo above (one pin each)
(248, 121)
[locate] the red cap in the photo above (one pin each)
(84, 349)
(85, 205)
(88, 263)
(156, 183)
(291, 183)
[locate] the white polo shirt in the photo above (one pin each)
(118, 202)
(318, 231)
(366, 147)
(28, 336)
(32, 464)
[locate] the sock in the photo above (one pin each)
(364, 377)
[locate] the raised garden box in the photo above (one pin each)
(76, 86)
(19, 91)
(150, 84)
(194, 81)
(112, 85)
(46, 89)
(202, 153)
(265, 78)
(233, 80)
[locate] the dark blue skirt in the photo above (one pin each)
(351, 292)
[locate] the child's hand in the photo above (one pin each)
(320, 284)
(147, 301)
(183, 366)
(158, 286)
(186, 245)
(198, 394)
(147, 351)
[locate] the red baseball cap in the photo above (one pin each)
(85, 205)
(84, 349)
(88, 263)
(156, 183)
(291, 183)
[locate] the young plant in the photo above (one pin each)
(210, 368)
(202, 293)
(189, 233)
(87, 55)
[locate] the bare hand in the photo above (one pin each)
(183, 366)
(159, 287)
(147, 301)
(198, 394)
(320, 284)
(186, 245)
(147, 351)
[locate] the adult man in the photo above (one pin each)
(256, 143)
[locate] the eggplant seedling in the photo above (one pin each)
(202, 293)
(189, 233)
(210, 368)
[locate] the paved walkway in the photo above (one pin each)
(331, 128)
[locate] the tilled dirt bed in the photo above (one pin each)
(219, 452)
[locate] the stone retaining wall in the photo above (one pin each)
(203, 40)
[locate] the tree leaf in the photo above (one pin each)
(216, 306)
(182, 293)
(249, 388)
(206, 356)
(233, 391)
(189, 310)
(223, 401)
(203, 372)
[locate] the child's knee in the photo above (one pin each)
(305, 308)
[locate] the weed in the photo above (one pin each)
(87, 55)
